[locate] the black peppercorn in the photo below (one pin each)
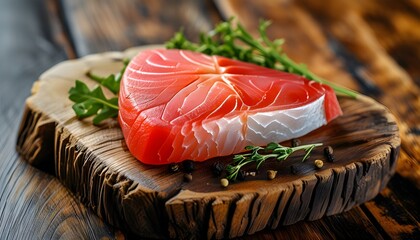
(328, 152)
(188, 166)
(217, 168)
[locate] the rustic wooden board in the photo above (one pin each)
(94, 163)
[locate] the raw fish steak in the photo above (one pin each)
(176, 105)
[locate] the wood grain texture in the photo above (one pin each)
(94, 163)
(360, 26)
(33, 204)
(98, 26)
(38, 206)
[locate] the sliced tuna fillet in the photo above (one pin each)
(177, 105)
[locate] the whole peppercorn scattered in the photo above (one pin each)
(188, 177)
(174, 168)
(295, 142)
(319, 163)
(271, 174)
(188, 166)
(217, 168)
(224, 182)
(328, 152)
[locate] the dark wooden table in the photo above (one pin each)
(370, 46)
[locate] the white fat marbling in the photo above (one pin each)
(227, 136)
(278, 126)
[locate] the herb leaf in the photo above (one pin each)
(235, 42)
(112, 82)
(92, 102)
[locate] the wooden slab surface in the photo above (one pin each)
(149, 201)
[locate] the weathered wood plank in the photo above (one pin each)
(57, 28)
(99, 26)
(353, 224)
(352, 24)
(33, 204)
(36, 205)
(395, 25)
(396, 209)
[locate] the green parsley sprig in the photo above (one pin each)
(259, 155)
(93, 102)
(237, 43)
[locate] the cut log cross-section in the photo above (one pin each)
(95, 164)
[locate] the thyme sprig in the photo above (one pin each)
(236, 42)
(259, 155)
